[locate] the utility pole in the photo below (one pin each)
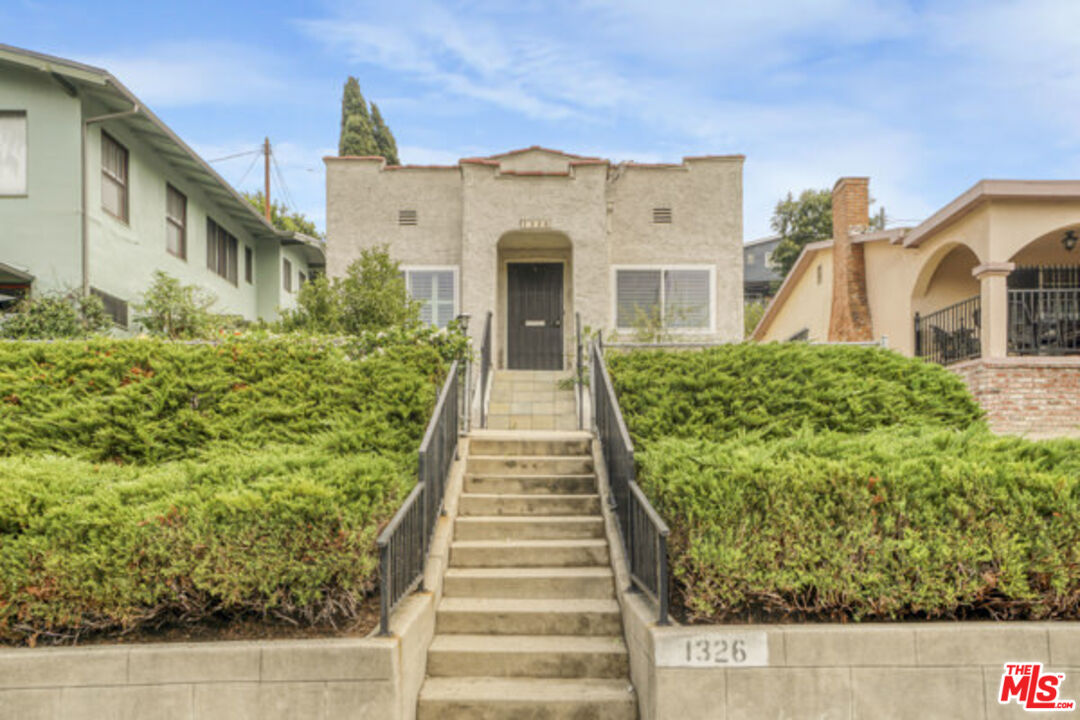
(266, 175)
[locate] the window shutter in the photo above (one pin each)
(686, 295)
(636, 291)
(444, 309)
(422, 288)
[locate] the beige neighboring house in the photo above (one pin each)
(535, 236)
(988, 285)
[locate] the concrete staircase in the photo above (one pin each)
(528, 626)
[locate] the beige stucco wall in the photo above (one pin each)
(902, 280)
(605, 213)
(808, 304)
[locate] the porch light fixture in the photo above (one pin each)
(1069, 241)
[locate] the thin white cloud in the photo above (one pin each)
(197, 72)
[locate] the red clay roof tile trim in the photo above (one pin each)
(421, 167)
(533, 148)
(536, 173)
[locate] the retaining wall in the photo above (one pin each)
(1039, 396)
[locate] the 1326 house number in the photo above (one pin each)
(704, 649)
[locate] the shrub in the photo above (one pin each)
(774, 390)
(55, 316)
(145, 482)
(175, 310)
(897, 523)
(370, 297)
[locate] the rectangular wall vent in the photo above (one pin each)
(662, 215)
(406, 217)
(114, 306)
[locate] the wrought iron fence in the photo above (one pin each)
(644, 533)
(951, 334)
(1044, 322)
(403, 544)
(485, 369)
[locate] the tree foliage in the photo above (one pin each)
(370, 297)
(363, 131)
(801, 221)
(55, 316)
(282, 218)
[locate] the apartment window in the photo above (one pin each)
(14, 151)
(679, 297)
(175, 222)
(436, 290)
(661, 215)
(407, 217)
(301, 279)
(221, 249)
(249, 262)
(114, 306)
(286, 275)
(114, 177)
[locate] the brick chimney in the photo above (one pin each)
(850, 320)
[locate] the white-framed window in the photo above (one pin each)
(14, 150)
(114, 177)
(436, 288)
(682, 297)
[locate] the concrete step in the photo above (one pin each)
(486, 698)
(542, 582)
(531, 484)
(537, 656)
(529, 504)
(547, 527)
(529, 553)
(518, 616)
(530, 446)
(529, 464)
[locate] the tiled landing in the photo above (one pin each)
(532, 400)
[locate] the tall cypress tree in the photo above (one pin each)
(357, 135)
(384, 139)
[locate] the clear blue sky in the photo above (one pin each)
(924, 97)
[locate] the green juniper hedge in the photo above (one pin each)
(144, 482)
(835, 483)
(897, 523)
(776, 389)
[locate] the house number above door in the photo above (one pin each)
(535, 223)
(713, 649)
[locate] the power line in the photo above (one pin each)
(235, 155)
(246, 172)
(290, 202)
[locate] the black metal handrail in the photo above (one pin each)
(485, 369)
(950, 334)
(404, 542)
(1044, 322)
(644, 533)
(580, 376)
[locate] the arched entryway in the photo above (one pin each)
(1044, 295)
(947, 305)
(534, 300)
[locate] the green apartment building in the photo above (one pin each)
(96, 193)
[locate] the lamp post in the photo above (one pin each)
(1069, 241)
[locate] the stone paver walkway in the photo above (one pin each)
(532, 400)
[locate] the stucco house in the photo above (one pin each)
(759, 278)
(535, 236)
(988, 285)
(96, 193)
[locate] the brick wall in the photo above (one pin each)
(849, 320)
(1037, 395)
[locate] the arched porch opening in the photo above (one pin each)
(1044, 295)
(947, 305)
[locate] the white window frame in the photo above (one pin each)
(407, 269)
(708, 330)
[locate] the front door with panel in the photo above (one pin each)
(534, 316)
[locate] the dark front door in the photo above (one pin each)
(534, 313)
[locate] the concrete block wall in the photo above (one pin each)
(1039, 396)
(328, 679)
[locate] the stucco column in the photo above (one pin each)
(994, 308)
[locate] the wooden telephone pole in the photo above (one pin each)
(266, 176)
